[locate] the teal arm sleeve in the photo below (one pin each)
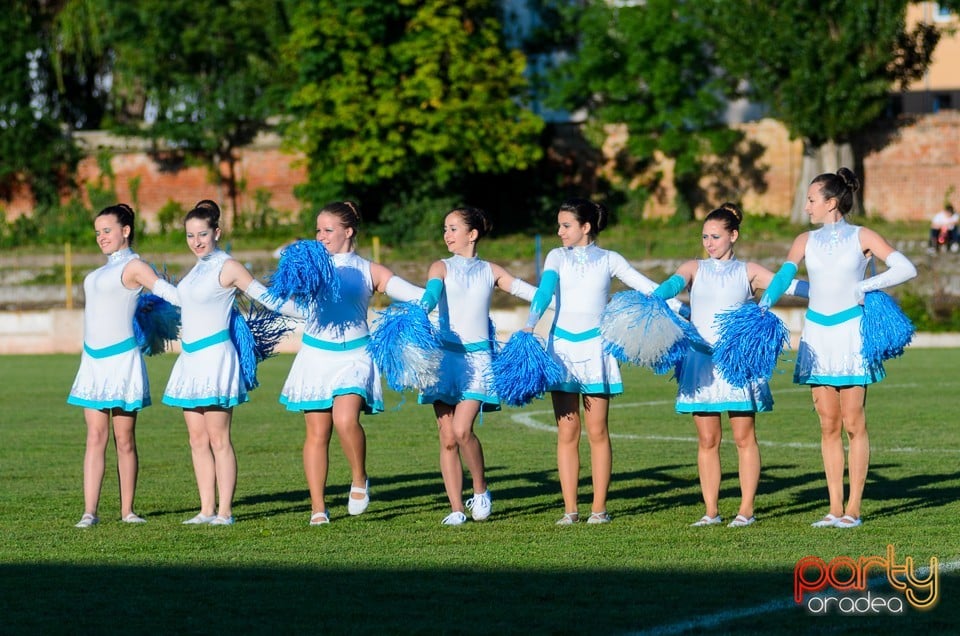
(431, 296)
(781, 281)
(541, 300)
(670, 287)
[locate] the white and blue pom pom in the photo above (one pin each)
(675, 355)
(885, 330)
(405, 347)
(307, 274)
(523, 371)
(639, 329)
(155, 322)
(750, 341)
(255, 336)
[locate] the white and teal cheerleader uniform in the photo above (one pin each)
(830, 344)
(719, 285)
(207, 372)
(578, 279)
(465, 334)
(333, 358)
(112, 372)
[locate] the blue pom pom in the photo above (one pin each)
(405, 347)
(750, 341)
(155, 321)
(255, 331)
(307, 274)
(639, 329)
(884, 329)
(523, 371)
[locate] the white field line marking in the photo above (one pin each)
(530, 420)
(719, 618)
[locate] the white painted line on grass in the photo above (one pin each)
(530, 420)
(715, 620)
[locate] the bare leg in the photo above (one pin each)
(566, 408)
(470, 449)
(225, 460)
(204, 467)
(709, 434)
(128, 464)
(748, 455)
(353, 441)
(595, 413)
(852, 401)
(98, 423)
(450, 467)
(826, 400)
(316, 456)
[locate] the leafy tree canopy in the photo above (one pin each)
(403, 93)
(646, 65)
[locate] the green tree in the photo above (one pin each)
(205, 68)
(34, 151)
(405, 98)
(825, 69)
(647, 66)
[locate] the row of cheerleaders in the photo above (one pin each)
(637, 328)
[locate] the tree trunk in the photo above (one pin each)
(827, 157)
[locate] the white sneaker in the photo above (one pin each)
(86, 521)
(480, 505)
(827, 522)
(222, 521)
(454, 519)
(358, 506)
(199, 520)
(706, 520)
(133, 518)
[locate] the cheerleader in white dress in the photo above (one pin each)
(462, 286)
(333, 378)
(206, 380)
(577, 277)
(112, 380)
(717, 284)
(829, 358)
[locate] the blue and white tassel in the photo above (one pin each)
(405, 347)
(749, 343)
(885, 330)
(522, 370)
(307, 274)
(639, 329)
(155, 321)
(255, 331)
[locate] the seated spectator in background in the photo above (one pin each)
(943, 230)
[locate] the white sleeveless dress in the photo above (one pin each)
(717, 286)
(207, 372)
(333, 359)
(112, 372)
(830, 344)
(465, 329)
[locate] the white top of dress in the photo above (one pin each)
(717, 286)
(584, 286)
(205, 304)
(109, 306)
(464, 315)
(835, 264)
(345, 320)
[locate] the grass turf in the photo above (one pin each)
(396, 569)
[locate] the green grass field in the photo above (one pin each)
(395, 569)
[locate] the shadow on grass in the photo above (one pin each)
(321, 599)
(666, 487)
